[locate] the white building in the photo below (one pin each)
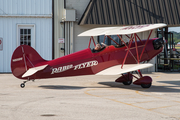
(25, 22)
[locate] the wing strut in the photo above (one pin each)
(112, 40)
(136, 48)
(90, 42)
(128, 49)
(104, 38)
(133, 36)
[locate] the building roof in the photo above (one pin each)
(131, 12)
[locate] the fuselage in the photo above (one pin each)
(85, 62)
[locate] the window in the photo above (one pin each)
(26, 35)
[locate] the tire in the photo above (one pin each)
(127, 82)
(22, 85)
(146, 85)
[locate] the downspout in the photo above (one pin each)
(64, 39)
(52, 29)
(64, 30)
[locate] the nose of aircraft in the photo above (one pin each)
(158, 43)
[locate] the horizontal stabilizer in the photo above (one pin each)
(33, 70)
(116, 70)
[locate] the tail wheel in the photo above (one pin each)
(146, 85)
(127, 82)
(22, 85)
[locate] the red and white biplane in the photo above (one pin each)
(121, 59)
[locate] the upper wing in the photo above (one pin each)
(121, 30)
(116, 70)
(97, 31)
(33, 70)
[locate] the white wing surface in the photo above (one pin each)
(97, 31)
(121, 30)
(116, 70)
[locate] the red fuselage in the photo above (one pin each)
(85, 62)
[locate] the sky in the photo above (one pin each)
(176, 29)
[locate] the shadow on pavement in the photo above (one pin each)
(61, 87)
(171, 87)
(153, 88)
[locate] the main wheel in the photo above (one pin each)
(127, 82)
(22, 85)
(146, 85)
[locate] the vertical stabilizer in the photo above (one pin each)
(24, 58)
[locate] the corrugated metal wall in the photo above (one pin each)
(26, 7)
(131, 12)
(8, 27)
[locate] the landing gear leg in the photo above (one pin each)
(144, 81)
(126, 79)
(22, 85)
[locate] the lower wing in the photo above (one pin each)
(116, 70)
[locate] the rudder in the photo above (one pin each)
(23, 58)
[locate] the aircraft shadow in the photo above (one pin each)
(175, 88)
(172, 86)
(61, 87)
(64, 87)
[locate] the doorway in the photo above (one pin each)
(167, 60)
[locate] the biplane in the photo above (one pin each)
(120, 59)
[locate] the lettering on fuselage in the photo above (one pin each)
(76, 67)
(61, 69)
(86, 64)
